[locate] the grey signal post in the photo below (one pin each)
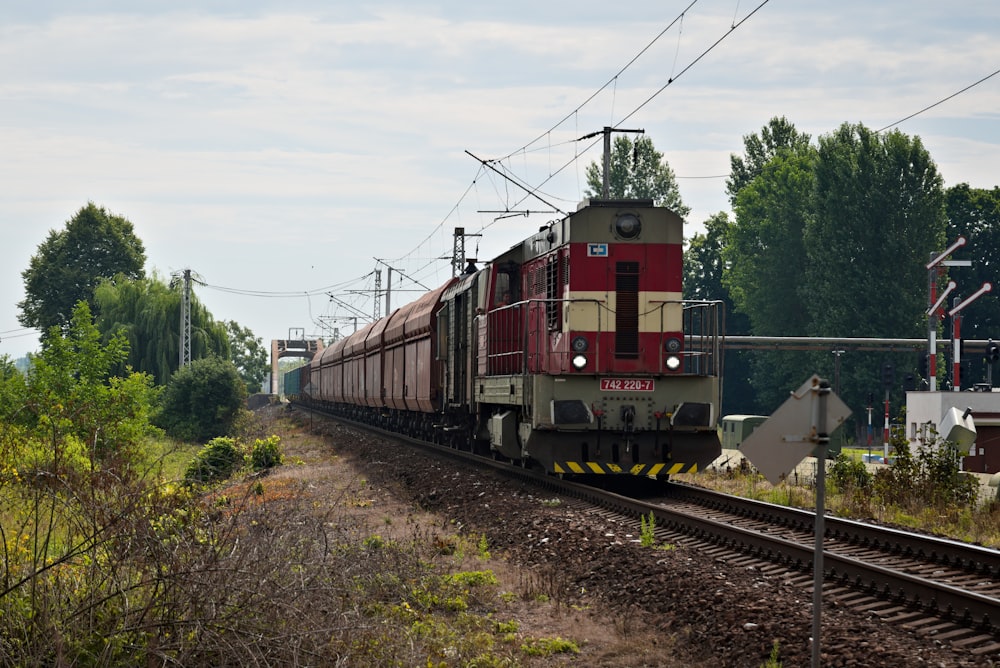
(802, 425)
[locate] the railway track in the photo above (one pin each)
(934, 586)
(944, 590)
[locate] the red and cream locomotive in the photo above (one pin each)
(573, 352)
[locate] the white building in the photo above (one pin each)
(926, 410)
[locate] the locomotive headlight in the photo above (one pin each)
(579, 344)
(627, 226)
(672, 345)
(673, 363)
(579, 361)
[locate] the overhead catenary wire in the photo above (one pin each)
(941, 101)
(733, 27)
(498, 166)
(609, 82)
(284, 294)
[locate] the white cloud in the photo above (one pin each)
(287, 145)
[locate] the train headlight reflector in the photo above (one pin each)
(579, 344)
(627, 226)
(673, 362)
(579, 361)
(672, 345)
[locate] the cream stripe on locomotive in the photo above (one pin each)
(658, 311)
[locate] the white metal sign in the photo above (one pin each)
(791, 433)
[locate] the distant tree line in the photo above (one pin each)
(98, 259)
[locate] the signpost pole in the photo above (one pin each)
(822, 443)
(801, 427)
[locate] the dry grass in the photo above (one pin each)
(310, 565)
(979, 523)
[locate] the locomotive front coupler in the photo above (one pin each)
(659, 415)
(627, 414)
(599, 414)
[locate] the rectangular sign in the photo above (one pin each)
(627, 385)
(597, 250)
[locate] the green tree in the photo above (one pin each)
(69, 264)
(11, 390)
(764, 254)
(975, 214)
(704, 267)
(202, 400)
(71, 408)
(148, 311)
(637, 170)
(879, 213)
(765, 266)
(777, 135)
(248, 354)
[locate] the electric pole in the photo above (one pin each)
(185, 342)
(606, 189)
(458, 251)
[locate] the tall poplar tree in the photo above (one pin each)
(758, 149)
(766, 265)
(704, 267)
(879, 212)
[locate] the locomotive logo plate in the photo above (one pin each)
(627, 385)
(597, 250)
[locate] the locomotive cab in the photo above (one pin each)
(600, 366)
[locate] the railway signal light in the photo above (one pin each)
(992, 351)
(888, 375)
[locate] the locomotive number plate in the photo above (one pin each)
(627, 385)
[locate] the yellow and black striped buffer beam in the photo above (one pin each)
(601, 468)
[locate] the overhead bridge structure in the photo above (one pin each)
(306, 348)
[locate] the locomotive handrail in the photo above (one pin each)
(701, 329)
(514, 343)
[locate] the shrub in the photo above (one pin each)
(849, 474)
(218, 460)
(202, 400)
(266, 453)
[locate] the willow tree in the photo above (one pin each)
(148, 312)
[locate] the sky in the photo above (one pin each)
(285, 151)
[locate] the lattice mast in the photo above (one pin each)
(185, 335)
